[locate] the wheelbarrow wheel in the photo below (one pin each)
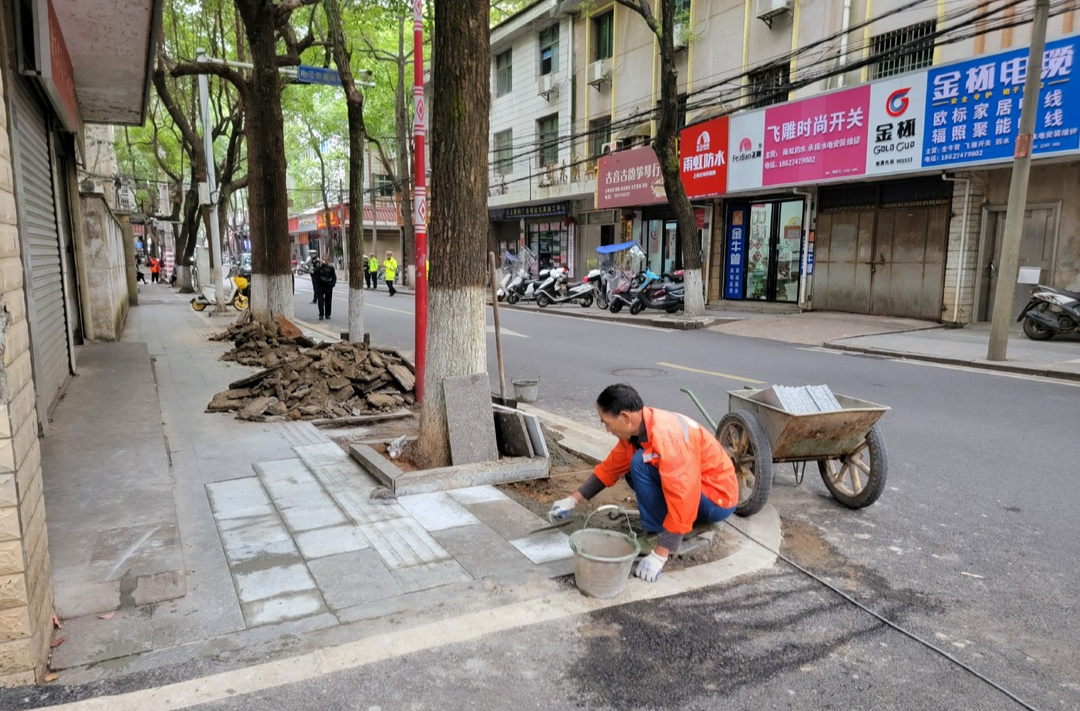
(741, 435)
(857, 479)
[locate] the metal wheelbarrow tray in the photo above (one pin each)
(847, 445)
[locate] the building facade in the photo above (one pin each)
(895, 209)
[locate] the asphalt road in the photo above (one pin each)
(971, 548)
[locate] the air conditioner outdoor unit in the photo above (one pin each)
(545, 85)
(768, 9)
(599, 73)
(678, 36)
(611, 147)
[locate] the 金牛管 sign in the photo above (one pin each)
(973, 107)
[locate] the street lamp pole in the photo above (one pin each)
(211, 188)
(420, 203)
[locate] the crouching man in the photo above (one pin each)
(680, 474)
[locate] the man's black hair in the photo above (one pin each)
(619, 397)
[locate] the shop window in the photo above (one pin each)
(549, 50)
(547, 130)
(504, 73)
(769, 86)
(603, 36)
(903, 50)
(382, 185)
(504, 152)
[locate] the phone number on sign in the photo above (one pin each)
(789, 162)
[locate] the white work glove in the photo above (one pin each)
(562, 508)
(649, 567)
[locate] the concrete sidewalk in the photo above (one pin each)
(193, 539)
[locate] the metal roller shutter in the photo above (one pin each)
(47, 315)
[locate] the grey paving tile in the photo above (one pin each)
(347, 483)
(246, 539)
(238, 498)
(90, 639)
(324, 542)
(508, 518)
(477, 494)
(481, 551)
(298, 496)
(437, 511)
(355, 578)
(430, 575)
(544, 547)
(275, 580)
(403, 543)
(283, 607)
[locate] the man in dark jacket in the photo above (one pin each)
(325, 277)
(313, 266)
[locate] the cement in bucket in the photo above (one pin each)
(526, 390)
(602, 560)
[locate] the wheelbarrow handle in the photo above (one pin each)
(704, 412)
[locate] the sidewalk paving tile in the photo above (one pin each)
(437, 511)
(284, 607)
(256, 537)
(481, 551)
(273, 581)
(238, 498)
(545, 547)
(136, 550)
(347, 482)
(434, 574)
(403, 543)
(478, 494)
(89, 639)
(507, 518)
(299, 498)
(323, 542)
(350, 579)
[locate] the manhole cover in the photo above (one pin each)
(639, 372)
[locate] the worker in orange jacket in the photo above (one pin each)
(680, 474)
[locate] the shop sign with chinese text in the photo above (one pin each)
(821, 138)
(894, 131)
(973, 107)
(703, 151)
(629, 178)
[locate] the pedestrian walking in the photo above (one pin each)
(155, 270)
(367, 273)
(680, 474)
(314, 267)
(390, 271)
(373, 271)
(326, 276)
(140, 278)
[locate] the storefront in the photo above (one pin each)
(546, 229)
(763, 249)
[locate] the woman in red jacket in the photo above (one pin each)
(679, 472)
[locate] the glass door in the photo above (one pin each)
(759, 251)
(788, 252)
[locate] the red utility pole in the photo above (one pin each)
(420, 196)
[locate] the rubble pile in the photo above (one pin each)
(324, 381)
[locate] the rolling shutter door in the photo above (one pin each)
(41, 246)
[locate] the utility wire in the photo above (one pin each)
(907, 633)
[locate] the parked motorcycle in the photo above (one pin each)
(624, 256)
(664, 294)
(622, 289)
(237, 293)
(556, 290)
(1050, 312)
(306, 267)
(513, 267)
(524, 285)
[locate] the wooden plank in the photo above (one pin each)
(403, 375)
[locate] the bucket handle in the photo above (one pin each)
(612, 507)
(528, 367)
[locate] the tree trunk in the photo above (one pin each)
(457, 332)
(268, 199)
(667, 153)
(189, 233)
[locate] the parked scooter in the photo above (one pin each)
(556, 290)
(622, 290)
(1050, 312)
(237, 293)
(665, 294)
(624, 256)
(510, 266)
(523, 285)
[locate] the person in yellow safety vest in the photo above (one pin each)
(373, 273)
(389, 266)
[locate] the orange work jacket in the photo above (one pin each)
(690, 460)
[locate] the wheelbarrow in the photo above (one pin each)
(847, 445)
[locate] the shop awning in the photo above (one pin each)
(641, 129)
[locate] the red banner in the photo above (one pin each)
(629, 178)
(703, 158)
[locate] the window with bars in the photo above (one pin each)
(769, 86)
(549, 50)
(547, 134)
(599, 134)
(504, 73)
(504, 152)
(903, 50)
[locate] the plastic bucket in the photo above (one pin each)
(602, 559)
(526, 390)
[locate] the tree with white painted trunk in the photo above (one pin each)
(665, 145)
(459, 107)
